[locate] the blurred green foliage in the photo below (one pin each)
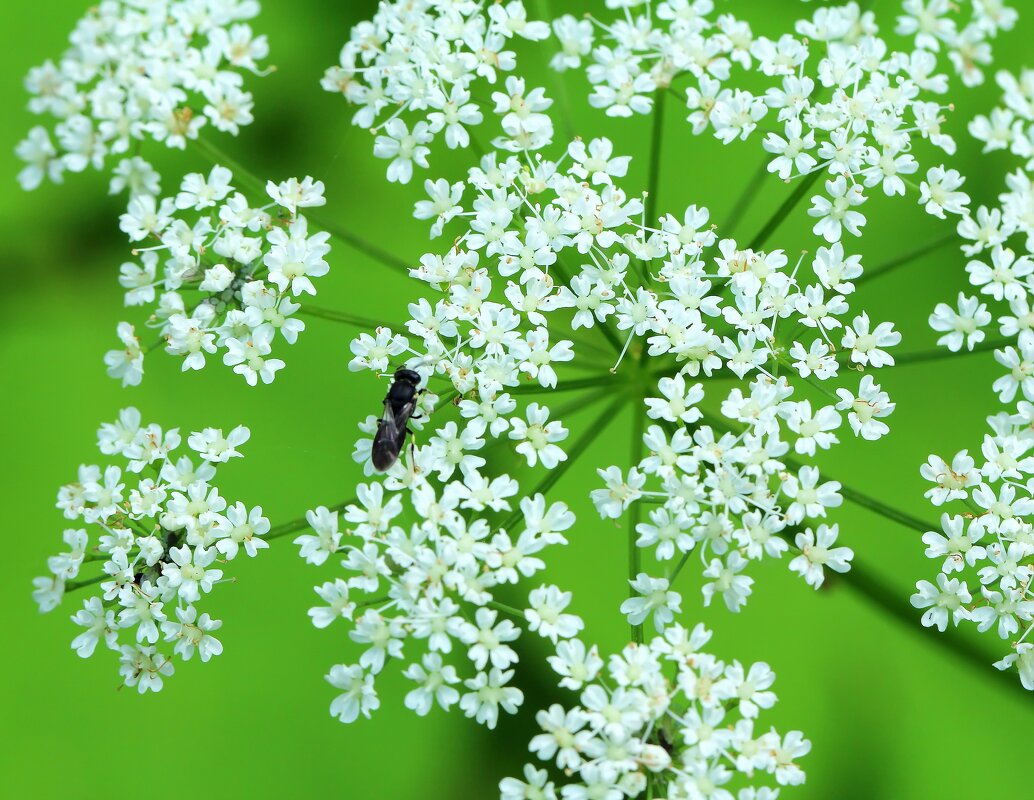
(891, 713)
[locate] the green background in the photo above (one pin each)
(891, 713)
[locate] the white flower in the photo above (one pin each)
(938, 193)
(358, 693)
(962, 326)
(404, 148)
(726, 581)
(316, 549)
(654, 598)
(949, 596)
(193, 633)
(538, 437)
(603, 739)
(818, 554)
(132, 74)
(837, 213)
(293, 194)
(545, 614)
(866, 409)
(488, 693)
(435, 681)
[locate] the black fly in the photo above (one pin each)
(399, 406)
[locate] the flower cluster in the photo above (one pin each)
(414, 71)
(986, 539)
(997, 240)
(844, 103)
(135, 71)
(694, 307)
(664, 719)
(223, 275)
(432, 584)
(985, 547)
(161, 532)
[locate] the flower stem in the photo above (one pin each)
(340, 316)
(894, 263)
(635, 565)
(888, 599)
(513, 612)
(654, 169)
(607, 382)
(746, 198)
(71, 586)
(375, 253)
(592, 432)
(803, 187)
(678, 567)
(940, 353)
(545, 11)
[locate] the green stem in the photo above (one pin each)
(608, 382)
(635, 563)
(940, 353)
(71, 586)
(244, 175)
(803, 187)
(746, 199)
(445, 398)
(678, 567)
(592, 432)
(612, 338)
(301, 524)
(888, 599)
(339, 316)
(513, 612)
(894, 263)
(654, 170)
(545, 11)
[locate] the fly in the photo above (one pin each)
(392, 427)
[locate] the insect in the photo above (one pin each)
(392, 428)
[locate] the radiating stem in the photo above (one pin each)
(940, 353)
(804, 185)
(889, 600)
(71, 586)
(894, 263)
(656, 143)
(746, 199)
(242, 174)
(635, 565)
(853, 495)
(340, 316)
(678, 567)
(592, 432)
(610, 382)
(506, 609)
(302, 523)
(546, 14)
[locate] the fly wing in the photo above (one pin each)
(388, 427)
(402, 418)
(386, 444)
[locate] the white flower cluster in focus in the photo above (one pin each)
(415, 71)
(663, 719)
(222, 274)
(430, 585)
(135, 71)
(161, 534)
(839, 100)
(985, 548)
